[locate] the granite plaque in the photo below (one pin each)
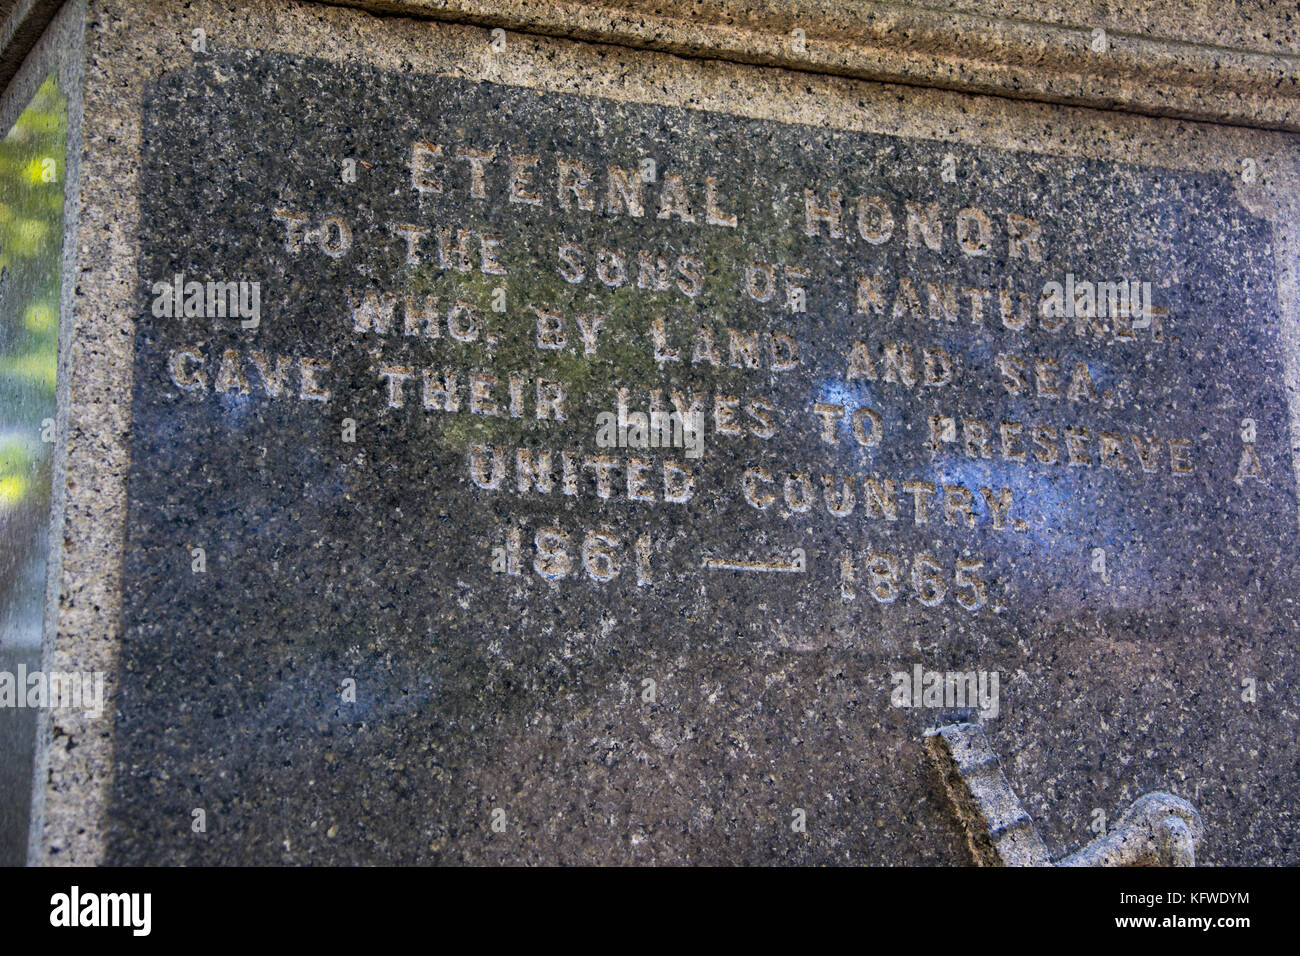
(526, 476)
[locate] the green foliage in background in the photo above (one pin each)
(31, 233)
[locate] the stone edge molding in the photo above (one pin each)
(24, 21)
(1159, 829)
(902, 43)
(106, 52)
(883, 41)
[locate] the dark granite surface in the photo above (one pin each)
(476, 690)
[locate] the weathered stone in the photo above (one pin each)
(1158, 830)
(371, 590)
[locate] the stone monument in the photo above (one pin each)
(553, 433)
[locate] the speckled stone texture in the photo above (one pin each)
(1200, 60)
(478, 691)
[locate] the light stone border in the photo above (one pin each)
(1189, 69)
(128, 44)
(1192, 59)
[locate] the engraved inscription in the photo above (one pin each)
(885, 374)
(550, 398)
